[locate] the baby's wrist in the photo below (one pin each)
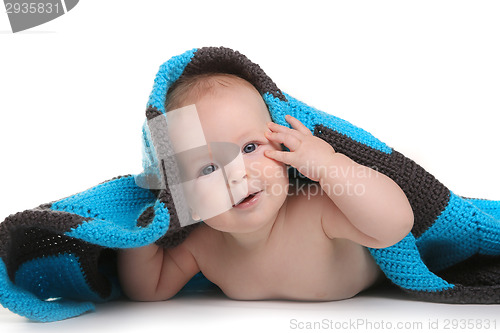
(333, 166)
(339, 169)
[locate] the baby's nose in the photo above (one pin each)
(237, 176)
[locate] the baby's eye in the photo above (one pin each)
(206, 170)
(250, 147)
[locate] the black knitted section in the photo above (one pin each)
(478, 270)
(225, 60)
(461, 295)
(427, 196)
(45, 206)
(31, 243)
(152, 112)
(54, 221)
(146, 217)
(39, 232)
(476, 280)
(175, 233)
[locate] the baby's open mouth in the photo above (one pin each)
(247, 198)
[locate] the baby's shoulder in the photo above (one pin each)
(202, 231)
(308, 197)
(201, 239)
(307, 207)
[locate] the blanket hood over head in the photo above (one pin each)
(58, 259)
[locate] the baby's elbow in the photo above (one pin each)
(148, 297)
(402, 215)
(405, 225)
(409, 222)
(400, 226)
(405, 220)
(397, 226)
(147, 292)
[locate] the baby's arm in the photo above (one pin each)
(152, 273)
(369, 207)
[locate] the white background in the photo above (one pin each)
(423, 76)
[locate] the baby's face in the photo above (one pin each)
(232, 186)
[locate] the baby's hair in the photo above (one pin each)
(198, 85)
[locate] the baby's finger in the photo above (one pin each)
(280, 156)
(288, 139)
(297, 124)
(280, 128)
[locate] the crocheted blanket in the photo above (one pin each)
(58, 259)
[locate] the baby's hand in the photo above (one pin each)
(309, 154)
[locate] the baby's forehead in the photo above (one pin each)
(192, 88)
(232, 108)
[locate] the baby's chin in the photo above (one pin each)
(241, 219)
(232, 222)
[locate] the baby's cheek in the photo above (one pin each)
(275, 173)
(277, 170)
(209, 188)
(210, 184)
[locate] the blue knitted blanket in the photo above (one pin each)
(58, 259)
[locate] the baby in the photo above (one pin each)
(275, 241)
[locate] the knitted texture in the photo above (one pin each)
(57, 259)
